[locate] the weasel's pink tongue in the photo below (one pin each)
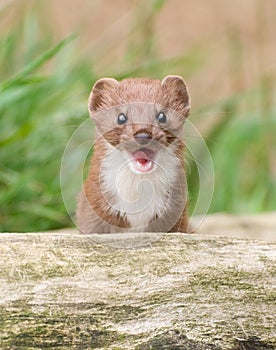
(142, 161)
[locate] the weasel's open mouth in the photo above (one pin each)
(143, 160)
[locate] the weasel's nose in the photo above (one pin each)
(142, 138)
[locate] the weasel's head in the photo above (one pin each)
(141, 117)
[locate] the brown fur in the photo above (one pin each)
(94, 213)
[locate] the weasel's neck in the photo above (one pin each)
(138, 197)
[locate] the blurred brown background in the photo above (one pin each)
(237, 36)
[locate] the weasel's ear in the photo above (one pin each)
(100, 93)
(176, 86)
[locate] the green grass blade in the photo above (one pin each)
(36, 64)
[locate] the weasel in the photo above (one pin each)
(136, 180)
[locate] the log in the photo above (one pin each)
(136, 291)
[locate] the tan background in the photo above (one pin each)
(214, 25)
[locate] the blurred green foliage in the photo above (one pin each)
(43, 92)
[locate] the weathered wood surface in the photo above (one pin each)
(152, 291)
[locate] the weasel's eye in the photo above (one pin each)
(122, 118)
(161, 117)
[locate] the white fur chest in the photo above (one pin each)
(139, 197)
